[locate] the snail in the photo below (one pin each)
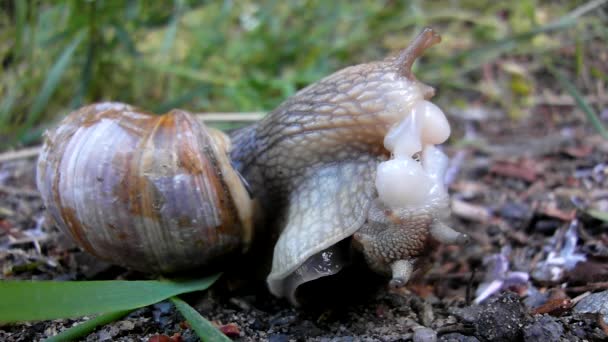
(150, 193)
(347, 161)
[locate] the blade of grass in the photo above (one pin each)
(125, 40)
(52, 80)
(20, 22)
(171, 30)
(189, 73)
(7, 103)
(85, 328)
(203, 328)
(186, 97)
(471, 59)
(32, 135)
(600, 215)
(42, 300)
(93, 44)
(580, 101)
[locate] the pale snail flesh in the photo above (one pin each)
(333, 164)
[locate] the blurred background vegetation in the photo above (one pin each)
(214, 56)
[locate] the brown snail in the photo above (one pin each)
(351, 156)
(152, 193)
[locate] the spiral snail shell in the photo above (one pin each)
(151, 193)
(347, 163)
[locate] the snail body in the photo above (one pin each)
(336, 161)
(333, 165)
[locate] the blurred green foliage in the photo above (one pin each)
(250, 55)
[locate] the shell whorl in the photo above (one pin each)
(152, 193)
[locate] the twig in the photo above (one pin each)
(455, 328)
(552, 99)
(469, 293)
(470, 211)
(585, 8)
(25, 153)
(32, 152)
(588, 287)
(9, 190)
(580, 297)
(227, 117)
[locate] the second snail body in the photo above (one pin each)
(348, 161)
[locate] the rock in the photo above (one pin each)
(231, 330)
(282, 320)
(544, 329)
(306, 329)
(456, 337)
(594, 303)
(258, 325)
(339, 339)
(160, 338)
(515, 211)
(424, 335)
(499, 319)
(278, 338)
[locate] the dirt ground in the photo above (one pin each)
(525, 191)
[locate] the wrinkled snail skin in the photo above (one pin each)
(332, 169)
(312, 163)
(151, 193)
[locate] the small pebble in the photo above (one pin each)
(596, 303)
(499, 319)
(515, 211)
(424, 335)
(230, 330)
(282, 320)
(160, 338)
(543, 329)
(258, 325)
(457, 337)
(278, 338)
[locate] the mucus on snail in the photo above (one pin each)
(351, 158)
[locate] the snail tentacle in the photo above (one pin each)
(401, 271)
(446, 234)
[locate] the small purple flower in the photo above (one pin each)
(552, 268)
(498, 276)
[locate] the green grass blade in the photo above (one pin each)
(85, 328)
(600, 215)
(90, 58)
(203, 328)
(7, 103)
(52, 80)
(186, 97)
(20, 22)
(171, 30)
(189, 73)
(42, 300)
(580, 101)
